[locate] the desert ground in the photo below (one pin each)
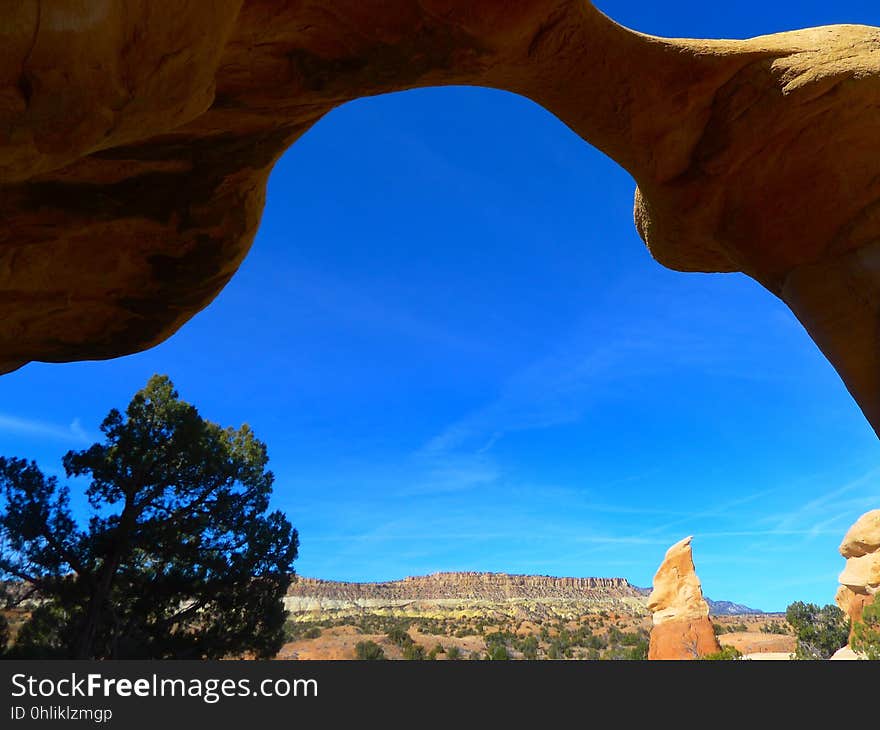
(599, 635)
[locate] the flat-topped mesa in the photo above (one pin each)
(135, 147)
(860, 578)
(682, 629)
(466, 586)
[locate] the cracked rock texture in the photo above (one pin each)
(136, 139)
(682, 628)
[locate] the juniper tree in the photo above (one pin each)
(179, 557)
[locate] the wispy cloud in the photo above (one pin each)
(815, 512)
(365, 306)
(430, 474)
(28, 427)
(594, 362)
(549, 392)
(720, 510)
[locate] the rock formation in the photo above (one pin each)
(467, 585)
(135, 145)
(529, 593)
(860, 579)
(682, 629)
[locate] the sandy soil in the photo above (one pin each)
(753, 642)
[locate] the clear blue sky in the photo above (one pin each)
(462, 357)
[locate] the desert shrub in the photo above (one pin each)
(638, 652)
(866, 632)
(727, 653)
(414, 652)
(559, 649)
(772, 627)
(453, 653)
(499, 637)
(819, 631)
(626, 638)
(369, 651)
(438, 649)
(399, 637)
(529, 647)
(312, 633)
(498, 652)
(631, 646)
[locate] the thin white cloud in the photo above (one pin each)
(819, 507)
(32, 428)
(432, 474)
(815, 518)
(366, 306)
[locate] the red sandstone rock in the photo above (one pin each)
(682, 629)
(683, 640)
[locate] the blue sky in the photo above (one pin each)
(462, 357)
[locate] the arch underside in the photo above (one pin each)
(136, 146)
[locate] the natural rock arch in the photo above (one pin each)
(136, 141)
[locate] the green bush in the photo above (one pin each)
(414, 652)
(369, 651)
(727, 653)
(866, 632)
(399, 637)
(529, 647)
(774, 628)
(453, 653)
(819, 631)
(312, 633)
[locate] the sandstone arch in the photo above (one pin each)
(136, 140)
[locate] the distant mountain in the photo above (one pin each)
(717, 608)
(728, 608)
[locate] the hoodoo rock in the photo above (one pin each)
(136, 142)
(682, 629)
(860, 578)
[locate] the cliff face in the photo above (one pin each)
(465, 586)
(135, 146)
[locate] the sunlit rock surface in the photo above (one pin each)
(682, 629)
(136, 139)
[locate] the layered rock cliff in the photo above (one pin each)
(682, 629)
(136, 140)
(459, 588)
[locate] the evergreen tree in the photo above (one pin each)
(179, 558)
